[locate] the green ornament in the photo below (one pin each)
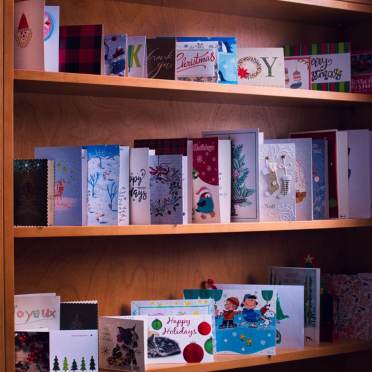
(156, 324)
(208, 346)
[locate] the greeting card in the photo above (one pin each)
(277, 191)
(75, 350)
(137, 54)
(297, 72)
(361, 71)
(115, 54)
(84, 187)
(139, 187)
(330, 64)
(310, 279)
(161, 58)
(197, 61)
(39, 310)
(51, 38)
(289, 312)
(67, 183)
(28, 35)
(79, 315)
(123, 194)
(244, 172)
(261, 66)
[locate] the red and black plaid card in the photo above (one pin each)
(80, 49)
(170, 146)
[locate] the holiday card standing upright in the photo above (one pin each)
(244, 172)
(361, 71)
(261, 66)
(160, 58)
(137, 64)
(115, 54)
(51, 38)
(297, 72)
(28, 35)
(277, 164)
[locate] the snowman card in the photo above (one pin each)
(246, 321)
(297, 72)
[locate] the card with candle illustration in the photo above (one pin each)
(277, 162)
(297, 72)
(180, 339)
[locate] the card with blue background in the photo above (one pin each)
(115, 54)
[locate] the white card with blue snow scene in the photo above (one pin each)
(246, 321)
(289, 312)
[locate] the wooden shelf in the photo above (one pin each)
(228, 362)
(76, 231)
(100, 85)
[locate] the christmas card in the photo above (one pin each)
(310, 279)
(137, 55)
(84, 187)
(320, 179)
(180, 339)
(32, 352)
(303, 176)
(329, 63)
(359, 173)
(161, 58)
(51, 38)
(227, 71)
(123, 343)
(79, 315)
(28, 35)
(244, 172)
(261, 66)
(337, 169)
(297, 72)
(277, 165)
(289, 312)
(164, 146)
(75, 350)
(39, 310)
(139, 187)
(33, 192)
(103, 184)
(88, 41)
(361, 71)
(115, 54)
(166, 204)
(197, 61)
(67, 183)
(123, 195)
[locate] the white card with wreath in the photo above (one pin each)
(261, 66)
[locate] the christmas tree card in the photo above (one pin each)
(277, 165)
(67, 183)
(320, 179)
(166, 204)
(359, 173)
(289, 312)
(244, 172)
(303, 176)
(123, 343)
(79, 315)
(32, 351)
(227, 50)
(310, 279)
(74, 350)
(51, 38)
(197, 61)
(180, 339)
(361, 71)
(38, 310)
(246, 321)
(161, 58)
(28, 35)
(115, 54)
(297, 72)
(139, 187)
(261, 66)
(329, 64)
(137, 66)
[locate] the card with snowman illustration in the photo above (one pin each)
(289, 312)
(246, 321)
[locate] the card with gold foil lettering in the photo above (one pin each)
(160, 58)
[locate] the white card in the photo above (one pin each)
(137, 65)
(51, 38)
(123, 197)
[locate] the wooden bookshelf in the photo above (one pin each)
(103, 86)
(133, 230)
(228, 362)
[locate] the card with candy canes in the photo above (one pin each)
(180, 339)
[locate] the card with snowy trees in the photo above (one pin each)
(289, 312)
(74, 351)
(310, 279)
(244, 172)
